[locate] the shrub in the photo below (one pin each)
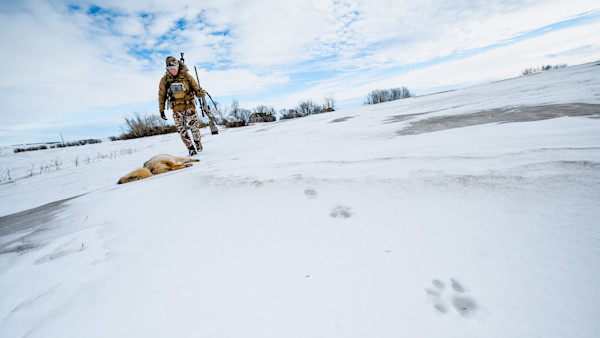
(138, 125)
(289, 114)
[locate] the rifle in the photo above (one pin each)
(206, 109)
(202, 103)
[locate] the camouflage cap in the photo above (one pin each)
(172, 61)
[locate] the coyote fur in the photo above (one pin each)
(157, 165)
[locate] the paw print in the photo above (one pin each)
(341, 212)
(451, 296)
(310, 193)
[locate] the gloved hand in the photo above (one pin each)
(162, 114)
(201, 93)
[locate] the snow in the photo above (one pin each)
(356, 223)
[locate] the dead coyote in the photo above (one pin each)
(157, 165)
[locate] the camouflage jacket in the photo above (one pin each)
(185, 99)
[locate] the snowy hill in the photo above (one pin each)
(469, 213)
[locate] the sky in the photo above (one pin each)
(75, 69)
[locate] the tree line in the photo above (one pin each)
(231, 116)
(55, 145)
(528, 71)
(385, 95)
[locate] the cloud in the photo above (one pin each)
(501, 62)
(554, 47)
(60, 59)
(63, 62)
(404, 34)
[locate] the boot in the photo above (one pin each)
(192, 151)
(199, 146)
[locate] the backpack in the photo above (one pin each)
(178, 88)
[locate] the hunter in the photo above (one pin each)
(178, 88)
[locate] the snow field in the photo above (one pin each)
(333, 225)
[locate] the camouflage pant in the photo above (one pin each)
(186, 119)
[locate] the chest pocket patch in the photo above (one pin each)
(179, 90)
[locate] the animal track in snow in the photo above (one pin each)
(453, 296)
(310, 193)
(340, 211)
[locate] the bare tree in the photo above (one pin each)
(308, 107)
(329, 103)
(238, 117)
(264, 110)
